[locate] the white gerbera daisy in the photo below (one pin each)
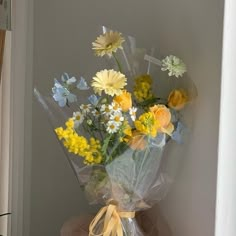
(78, 119)
(85, 108)
(112, 127)
(132, 112)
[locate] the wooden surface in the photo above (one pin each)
(2, 42)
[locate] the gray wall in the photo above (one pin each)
(63, 34)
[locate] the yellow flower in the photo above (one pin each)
(93, 154)
(142, 88)
(127, 132)
(70, 123)
(109, 81)
(177, 99)
(108, 43)
(79, 145)
(163, 117)
(147, 124)
(124, 100)
(60, 132)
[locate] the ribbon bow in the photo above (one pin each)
(112, 221)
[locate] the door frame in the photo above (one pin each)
(21, 116)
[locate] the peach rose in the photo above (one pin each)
(137, 141)
(124, 100)
(177, 99)
(163, 116)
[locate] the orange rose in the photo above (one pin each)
(177, 99)
(163, 116)
(124, 100)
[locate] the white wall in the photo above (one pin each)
(226, 191)
(63, 34)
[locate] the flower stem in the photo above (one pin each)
(117, 62)
(113, 150)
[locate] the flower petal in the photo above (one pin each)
(62, 102)
(71, 80)
(72, 98)
(93, 99)
(82, 85)
(65, 77)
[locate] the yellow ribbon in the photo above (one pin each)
(112, 225)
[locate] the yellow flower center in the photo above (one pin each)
(117, 118)
(78, 117)
(107, 109)
(112, 126)
(109, 45)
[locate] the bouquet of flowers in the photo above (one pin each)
(115, 141)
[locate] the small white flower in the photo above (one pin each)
(105, 109)
(132, 112)
(117, 117)
(89, 122)
(85, 108)
(78, 118)
(174, 66)
(96, 113)
(115, 107)
(112, 127)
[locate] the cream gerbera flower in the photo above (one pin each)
(107, 43)
(109, 81)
